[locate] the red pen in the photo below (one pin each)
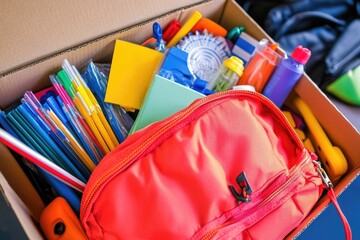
(171, 30)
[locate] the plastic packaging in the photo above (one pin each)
(228, 74)
(286, 76)
(206, 53)
(261, 66)
(96, 77)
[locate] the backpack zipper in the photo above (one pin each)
(241, 215)
(145, 142)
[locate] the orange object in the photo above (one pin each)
(260, 67)
(59, 222)
(210, 26)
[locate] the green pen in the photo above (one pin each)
(66, 83)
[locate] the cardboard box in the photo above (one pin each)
(37, 36)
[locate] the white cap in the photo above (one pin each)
(244, 87)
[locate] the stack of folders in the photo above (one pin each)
(70, 124)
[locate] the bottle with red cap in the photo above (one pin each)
(286, 76)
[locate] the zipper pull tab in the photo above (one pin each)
(245, 189)
(331, 194)
(324, 177)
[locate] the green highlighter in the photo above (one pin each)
(347, 87)
(163, 98)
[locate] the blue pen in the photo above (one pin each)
(119, 120)
(6, 125)
(21, 123)
(61, 188)
(54, 105)
(65, 160)
(81, 134)
(47, 129)
(157, 34)
(31, 167)
(59, 138)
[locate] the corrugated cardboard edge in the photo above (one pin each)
(32, 30)
(13, 84)
(324, 203)
(340, 131)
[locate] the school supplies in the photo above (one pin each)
(171, 30)
(175, 67)
(60, 157)
(16, 175)
(118, 118)
(58, 221)
(132, 69)
(62, 181)
(83, 110)
(206, 53)
(157, 34)
(234, 33)
(209, 25)
(286, 75)
(299, 131)
(40, 161)
(185, 29)
(244, 45)
(163, 99)
(261, 66)
(91, 104)
(331, 156)
(227, 76)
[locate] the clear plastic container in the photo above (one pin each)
(261, 66)
(227, 76)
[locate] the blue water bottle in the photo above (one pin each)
(286, 76)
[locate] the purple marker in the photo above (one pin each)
(286, 76)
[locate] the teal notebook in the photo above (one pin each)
(163, 98)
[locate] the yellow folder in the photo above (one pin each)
(131, 72)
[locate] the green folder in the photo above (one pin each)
(163, 98)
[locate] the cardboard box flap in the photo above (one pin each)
(33, 30)
(35, 74)
(33, 50)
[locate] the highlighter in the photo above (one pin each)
(195, 17)
(84, 112)
(93, 105)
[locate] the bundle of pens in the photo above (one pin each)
(70, 124)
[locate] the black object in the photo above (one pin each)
(328, 28)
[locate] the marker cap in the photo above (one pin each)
(301, 54)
